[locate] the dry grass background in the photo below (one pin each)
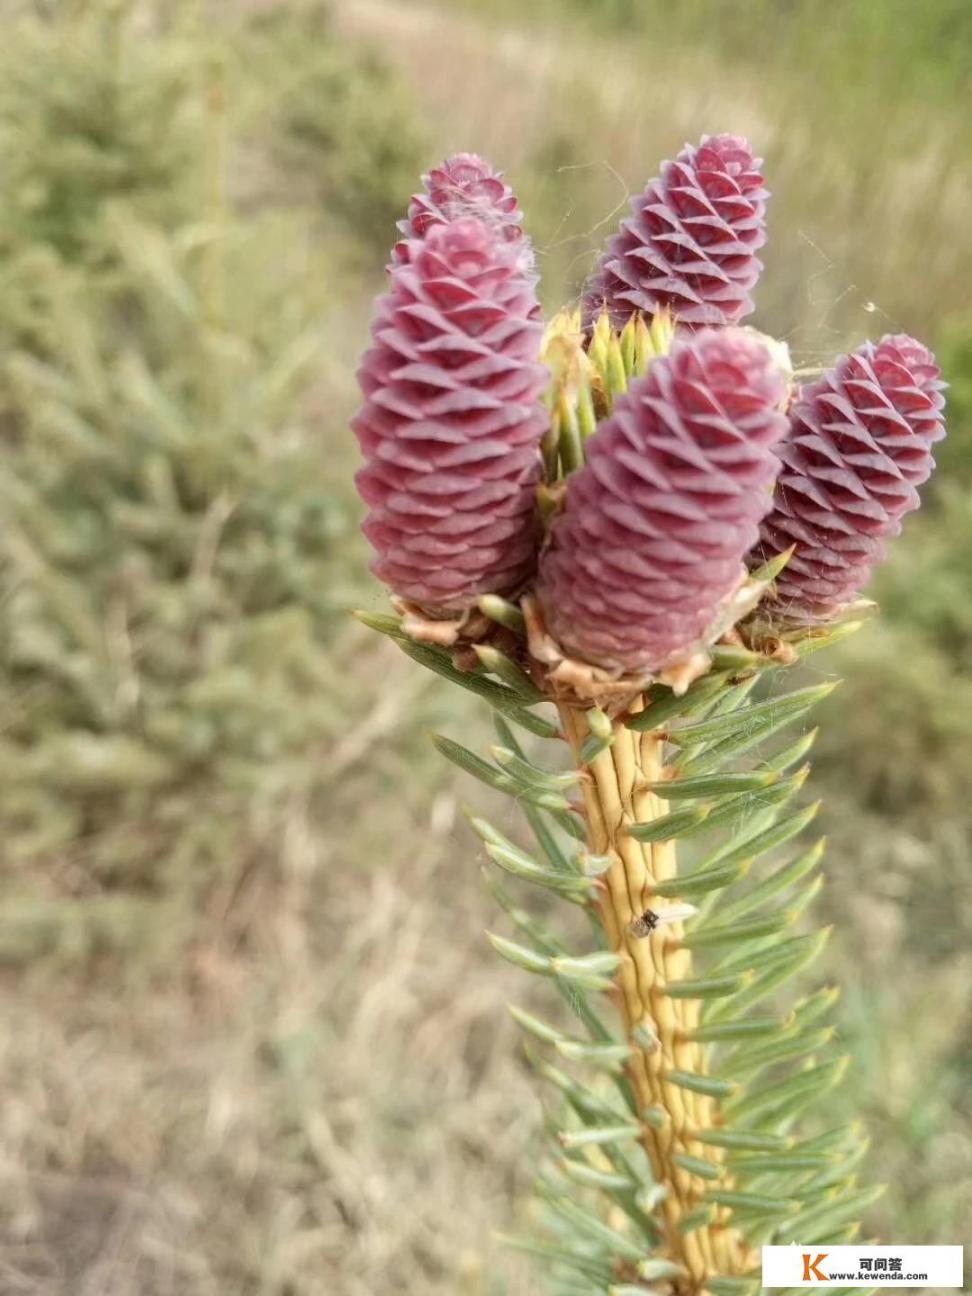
(312, 1088)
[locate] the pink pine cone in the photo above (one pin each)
(657, 523)
(452, 420)
(690, 243)
(464, 185)
(858, 447)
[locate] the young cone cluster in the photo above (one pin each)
(464, 185)
(683, 1075)
(690, 242)
(859, 445)
(657, 523)
(452, 420)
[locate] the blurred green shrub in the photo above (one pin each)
(925, 587)
(901, 46)
(954, 455)
(87, 115)
(339, 129)
(166, 550)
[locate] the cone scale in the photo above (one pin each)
(656, 524)
(690, 242)
(451, 423)
(859, 446)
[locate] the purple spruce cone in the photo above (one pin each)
(690, 243)
(464, 185)
(657, 524)
(859, 445)
(452, 420)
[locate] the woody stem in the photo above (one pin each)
(616, 795)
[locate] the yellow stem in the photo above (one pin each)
(616, 795)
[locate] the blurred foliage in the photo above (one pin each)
(857, 108)
(924, 589)
(194, 217)
(344, 136)
(110, 117)
(874, 51)
(901, 48)
(166, 558)
(954, 455)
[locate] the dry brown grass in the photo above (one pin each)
(866, 206)
(301, 1107)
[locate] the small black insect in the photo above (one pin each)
(644, 925)
(649, 920)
